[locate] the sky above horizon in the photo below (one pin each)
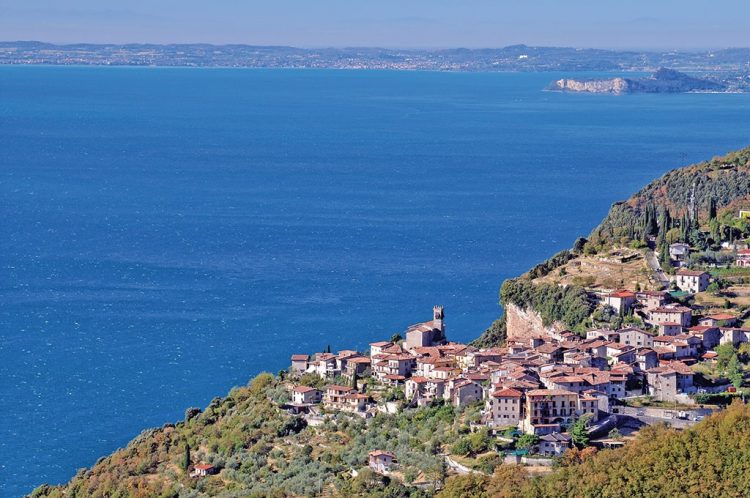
(637, 24)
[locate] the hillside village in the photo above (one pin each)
(669, 357)
(644, 323)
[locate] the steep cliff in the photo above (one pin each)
(614, 85)
(663, 81)
(527, 323)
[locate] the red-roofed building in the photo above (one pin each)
(621, 300)
(718, 320)
(709, 336)
(504, 407)
(381, 461)
(299, 363)
(304, 395)
(549, 406)
(743, 258)
(377, 348)
(335, 395)
(202, 470)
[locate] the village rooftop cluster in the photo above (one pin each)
(539, 385)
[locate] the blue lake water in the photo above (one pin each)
(168, 233)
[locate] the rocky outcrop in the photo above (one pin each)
(663, 81)
(524, 324)
(615, 85)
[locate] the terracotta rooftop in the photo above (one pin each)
(550, 392)
(507, 393)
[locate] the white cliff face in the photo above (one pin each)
(615, 85)
(663, 81)
(523, 324)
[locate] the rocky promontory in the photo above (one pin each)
(663, 81)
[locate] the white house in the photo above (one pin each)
(691, 280)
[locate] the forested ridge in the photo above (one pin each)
(722, 182)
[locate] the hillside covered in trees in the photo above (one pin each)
(684, 195)
(264, 452)
(260, 450)
(711, 459)
(697, 204)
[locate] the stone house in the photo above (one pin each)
(381, 461)
(672, 314)
(504, 407)
(718, 320)
(670, 328)
(646, 359)
(652, 299)
(733, 336)
(621, 300)
(464, 392)
(666, 382)
(554, 444)
(304, 395)
(710, 336)
(636, 337)
(359, 365)
(299, 363)
(691, 281)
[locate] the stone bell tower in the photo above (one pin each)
(437, 320)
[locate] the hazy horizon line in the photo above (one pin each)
(385, 47)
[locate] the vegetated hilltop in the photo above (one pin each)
(675, 206)
(724, 180)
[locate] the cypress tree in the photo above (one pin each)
(186, 458)
(711, 208)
